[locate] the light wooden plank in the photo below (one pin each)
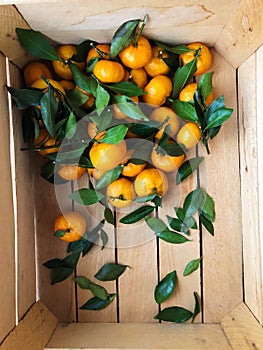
(222, 263)
(259, 74)
(10, 19)
(7, 246)
(242, 329)
(193, 22)
(50, 201)
(25, 210)
(33, 331)
(176, 256)
(94, 260)
(138, 336)
(243, 34)
(249, 165)
(137, 248)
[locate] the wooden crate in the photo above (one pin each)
(230, 280)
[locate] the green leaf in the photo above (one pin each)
(59, 274)
(48, 170)
(102, 121)
(97, 304)
(49, 108)
(110, 272)
(145, 129)
(72, 154)
(215, 105)
(207, 224)
(174, 149)
(192, 266)
(193, 202)
(102, 99)
(115, 134)
(104, 238)
(125, 88)
(185, 111)
(187, 168)
(108, 177)
(156, 225)
(82, 50)
(130, 108)
(172, 237)
(188, 221)
(123, 36)
(86, 196)
(53, 263)
(219, 117)
(108, 215)
(137, 214)
(25, 98)
(174, 314)
(71, 260)
(80, 79)
(97, 290)
(59, 233)
(71, 126)
(144, 199)
(197, 309)
(165, 287)
(182, 75)
(35, 43)
(205, 86)
(178, 225)
(76, 98)
(178, 49)
(208, 208)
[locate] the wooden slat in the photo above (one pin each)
(33, 331)
(49, 202)
(137, 248)
(243, 33)
(10, 19)
(242, 329)
(138, 336)
(259, 74)
(170, 21)
(250, 139)
(222, 263)
(176, 256)
(7, 233)
(25, 211)
(94, 260)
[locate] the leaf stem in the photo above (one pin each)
(145, 19)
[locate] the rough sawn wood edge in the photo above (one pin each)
(33, 331)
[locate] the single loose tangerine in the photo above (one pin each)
(151, 181)
(157, 90)
(120, 193)
(73, 224)
(204, 59)
(108, 71)
(136, 55)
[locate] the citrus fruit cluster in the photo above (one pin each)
(142, 64)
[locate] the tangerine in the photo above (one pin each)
(120, 193)
(73, 224)
(151, 181)
(136, 55)
(204, 59)
(157, 90)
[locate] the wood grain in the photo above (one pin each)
(26, 278)
(222, 263)
(176, 256)
(7, 246)
(242, 329)
(10, 19)
(33, 331)
(251, 182)
(243, 33)
(95, 259)
(172, 21)
(60, 297)
(138, 336)
(137, 248)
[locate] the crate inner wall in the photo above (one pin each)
(221, 282)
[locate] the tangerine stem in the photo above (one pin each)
(145, 18)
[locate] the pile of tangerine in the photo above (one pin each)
(143, 65)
